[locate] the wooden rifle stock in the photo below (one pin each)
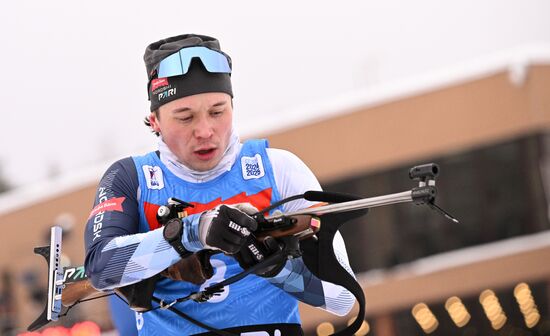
(302, 226)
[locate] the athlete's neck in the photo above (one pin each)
(182, 171)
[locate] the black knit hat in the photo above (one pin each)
(196, 80)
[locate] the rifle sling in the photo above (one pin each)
(319, 257)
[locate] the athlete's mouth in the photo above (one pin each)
(205, 151)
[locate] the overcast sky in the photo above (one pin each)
(73, 90)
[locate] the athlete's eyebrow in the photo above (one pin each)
(185, 108)
(181, 109)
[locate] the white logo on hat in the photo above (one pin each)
(166, 94)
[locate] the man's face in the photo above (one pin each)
(196, 128)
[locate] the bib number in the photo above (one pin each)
(139, 320)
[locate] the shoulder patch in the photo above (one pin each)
(252, 167)
(153, 176)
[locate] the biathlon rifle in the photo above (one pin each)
(70, 286)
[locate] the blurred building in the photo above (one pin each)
(488, 127)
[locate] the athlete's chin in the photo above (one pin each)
(204, 165)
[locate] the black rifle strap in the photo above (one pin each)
(319, 257)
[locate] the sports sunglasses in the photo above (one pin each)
(178, 64)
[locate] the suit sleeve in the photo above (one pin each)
(116, 253)
(293, 177)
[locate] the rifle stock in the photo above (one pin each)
(303, 226)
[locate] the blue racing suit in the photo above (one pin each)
(124, 245)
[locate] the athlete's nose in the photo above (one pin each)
(203, 128)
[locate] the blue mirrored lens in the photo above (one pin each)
(213, 61)
(178, 64)
(170, 66)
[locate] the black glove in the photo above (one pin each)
(226, 227)
(256, 251)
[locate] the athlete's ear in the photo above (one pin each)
(154, 121)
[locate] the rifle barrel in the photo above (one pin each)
(364, 203)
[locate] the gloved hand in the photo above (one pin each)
(227, 227)
(255, 251)
(195, 269)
